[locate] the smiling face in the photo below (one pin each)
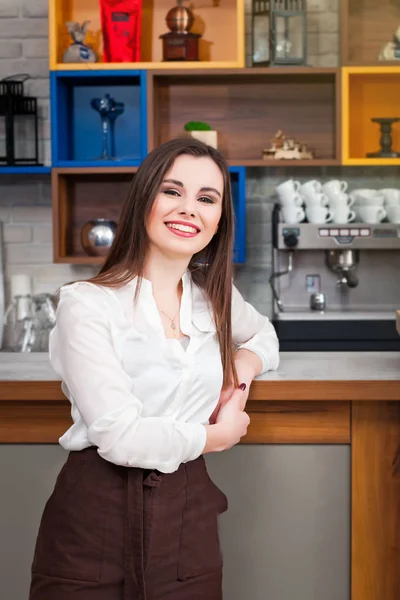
(187, 209)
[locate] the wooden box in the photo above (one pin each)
(368, 92)
(221, 25)
(82, 194)
(366, 26)
(246, 107)
(76, 127)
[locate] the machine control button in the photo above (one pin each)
(354, 232)
(344, 232)
(365, 232)
(334, 232)
(290, 240)
(323, 232)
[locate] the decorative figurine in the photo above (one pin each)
(386, 138)
(78, 52)
(391, 50)
(203, 132)
(109, 110)
(285, 148)
(179, 43)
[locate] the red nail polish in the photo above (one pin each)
(242, 386)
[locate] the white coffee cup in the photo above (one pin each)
(316, 200)
(310, 188)
(334, 187)
(393, 213)
(288, 188)
(371, 214)
(392, 202)
(392, 196)
(295, 200)
(368, 197)
(342, 214)
(341, 200)
(292, 214)
(318, 214)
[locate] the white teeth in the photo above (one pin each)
(185, 228)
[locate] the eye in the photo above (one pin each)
(207, 200)
(171, 192)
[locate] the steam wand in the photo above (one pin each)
(279, 274)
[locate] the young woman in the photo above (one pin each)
(156, 354)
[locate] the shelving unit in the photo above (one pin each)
(329, 109)
(221, 26)
(368, 92)
(81, 194)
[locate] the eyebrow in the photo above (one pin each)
(203, 189)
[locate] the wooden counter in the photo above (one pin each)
(313, 398)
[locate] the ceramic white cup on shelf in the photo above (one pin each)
(341, 199)
(368, 197)
(310, 188)
(292, 214)
(318, 214)
(295, 200)
(287, 188)
(316, 200)
(392, 196)
(334, 187)
(393, 214)
(342, 214)
(371, 214)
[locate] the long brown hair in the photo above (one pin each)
(211, 269)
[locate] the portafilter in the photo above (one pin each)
(344, 263)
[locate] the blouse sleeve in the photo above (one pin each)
(82, 354)
(253, 331)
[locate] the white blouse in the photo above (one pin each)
(141, 398)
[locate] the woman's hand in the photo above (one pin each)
(230, 425)
(246, 363)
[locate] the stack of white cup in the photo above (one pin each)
(315, 201)
(339, 201)
(290, 201)
(373, 206)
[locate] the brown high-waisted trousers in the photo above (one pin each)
(119, 533)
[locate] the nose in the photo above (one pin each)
(188, 206)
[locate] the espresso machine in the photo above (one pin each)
(335, 287)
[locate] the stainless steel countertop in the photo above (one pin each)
(294, 366)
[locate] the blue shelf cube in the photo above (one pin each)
(76, 128)
(238, 182)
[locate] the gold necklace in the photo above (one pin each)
(173, 326)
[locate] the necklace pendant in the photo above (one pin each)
(173, 326)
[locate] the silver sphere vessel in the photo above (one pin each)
(97, 236)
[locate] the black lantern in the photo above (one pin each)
(279, 32)
(21, 123)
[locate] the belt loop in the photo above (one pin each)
(134, 582)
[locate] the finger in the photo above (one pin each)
(240, 398)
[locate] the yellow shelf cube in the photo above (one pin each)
(368, 92)
(221, 26)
